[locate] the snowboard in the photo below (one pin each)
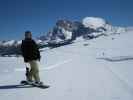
(24, 82)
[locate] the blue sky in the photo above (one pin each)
(17, 16)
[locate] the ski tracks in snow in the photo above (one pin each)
(51, 67)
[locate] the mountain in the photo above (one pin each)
(89, 27)
(94, 22)
(101, 24)
(66, 32)
(11, 47)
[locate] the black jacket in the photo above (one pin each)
(30, 50)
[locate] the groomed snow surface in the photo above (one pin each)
(98, 69)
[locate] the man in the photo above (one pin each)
(31, 54)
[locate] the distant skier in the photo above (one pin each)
(31, 54)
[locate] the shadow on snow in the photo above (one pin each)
(117, 59)
(14, 86)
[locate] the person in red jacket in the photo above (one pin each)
(31, 55)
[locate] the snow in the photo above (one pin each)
(94, 22)
(9, 43)
(19, 42)
(79, 71)
(38, 41)
(68, 34)
(97, 22)
(129, 28)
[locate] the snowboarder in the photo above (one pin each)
(31, 55)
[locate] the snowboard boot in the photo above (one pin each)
(39, 83)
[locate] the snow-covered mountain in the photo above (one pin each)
(70, 30)
(89, 27)
(94, 22)
(65, 32)
(100, 23)
(9, 43)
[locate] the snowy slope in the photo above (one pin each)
(98, 69)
